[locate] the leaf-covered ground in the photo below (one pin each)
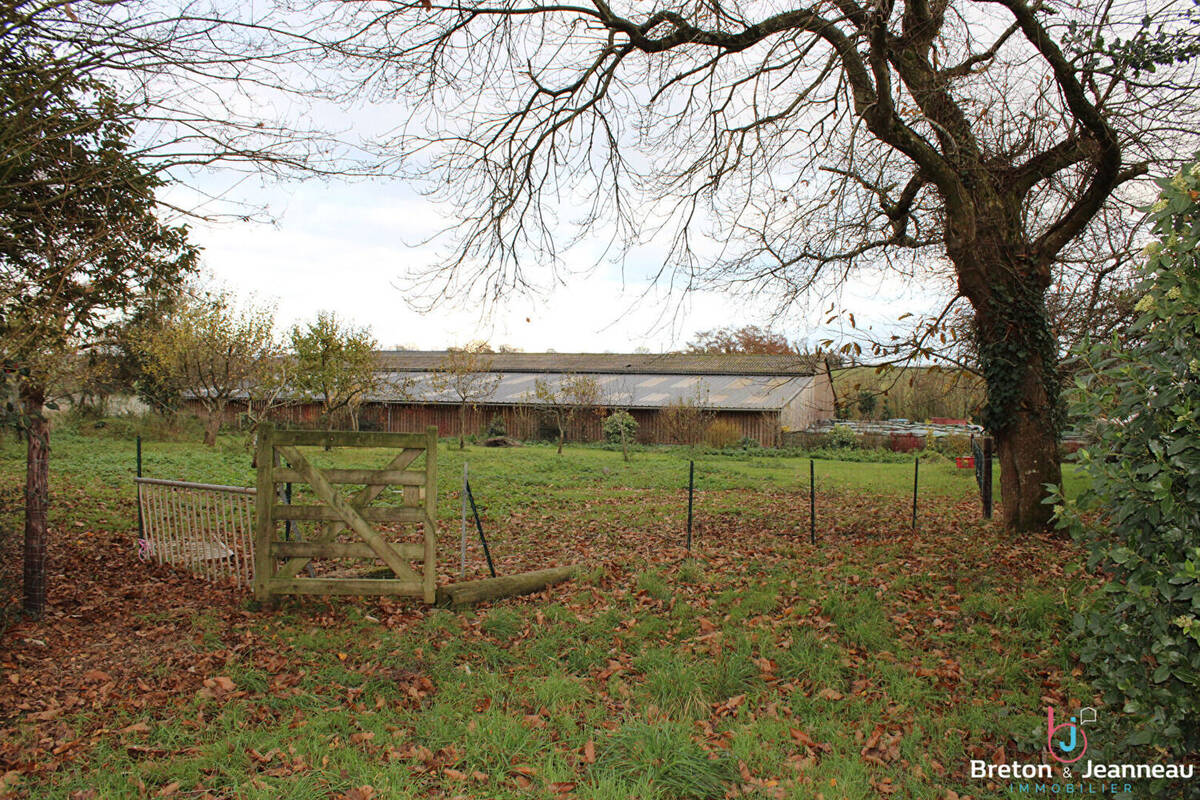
(873, 664)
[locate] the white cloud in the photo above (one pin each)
(342, 247)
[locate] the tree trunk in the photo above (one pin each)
(462, 425)
(1018, 357)
(1028, 453)
(37, 500)
(212, 426)
(562, 435)
(470, 592)
(328, 426)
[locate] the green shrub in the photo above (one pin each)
(497, 427)
(842, 437)
(953, 445)
(867, 402)
(151, 426)
(1140, 637)
(617, 422)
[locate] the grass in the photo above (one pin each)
(502, 479)
(665, 759)
(757, 664)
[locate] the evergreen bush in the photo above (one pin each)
(617, 421)
(1140, 637)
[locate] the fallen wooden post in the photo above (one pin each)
(469, 593)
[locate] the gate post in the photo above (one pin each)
(263, 533)
(430, 577)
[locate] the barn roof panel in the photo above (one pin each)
(619, 363)
(729, 392)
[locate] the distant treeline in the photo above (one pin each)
(916, 393)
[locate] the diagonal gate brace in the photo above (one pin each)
(349, 514)
(291, 568)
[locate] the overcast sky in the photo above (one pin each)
(344, 246)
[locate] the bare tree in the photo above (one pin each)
(104, 104)
(746, 339)
(566, 398)
(1091, 296)
(686, 418)
(204, 88)
(466, 373)
(967, 146)
(971, 147)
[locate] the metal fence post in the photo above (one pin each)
(916, 474)
(987, 477)
(812, 501)
(487, 553)
(691, 492)
(462, 570)
(141, 521)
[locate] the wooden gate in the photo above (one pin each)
(277, 564)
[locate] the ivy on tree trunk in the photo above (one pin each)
(1017, 354)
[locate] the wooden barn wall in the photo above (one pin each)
(521, 423)
(762, 426)
(812, 404)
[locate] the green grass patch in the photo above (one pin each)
(666, 759)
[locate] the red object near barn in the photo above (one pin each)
(964, 462)
(906, 442)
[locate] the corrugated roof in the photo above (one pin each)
(614, 363)
(641, 390)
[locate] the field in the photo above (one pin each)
(874, 663)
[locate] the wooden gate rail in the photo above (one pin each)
(340, 512)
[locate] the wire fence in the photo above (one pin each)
(205, 528)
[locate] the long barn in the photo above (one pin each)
(763, 396)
